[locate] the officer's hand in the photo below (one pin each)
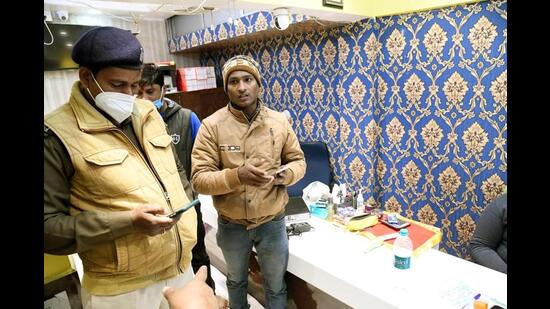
(251, 175)
(194, 295)
(149, 220)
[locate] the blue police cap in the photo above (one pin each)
(108, 46)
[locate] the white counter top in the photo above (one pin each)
(335, 261)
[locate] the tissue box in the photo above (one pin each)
(196, 78)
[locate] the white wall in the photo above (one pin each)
(183, 24)
(57, 84)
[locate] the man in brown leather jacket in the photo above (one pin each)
(237, 151)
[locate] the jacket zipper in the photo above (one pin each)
(272, 143)
(166, 195)
(272, 155)
(244, 148)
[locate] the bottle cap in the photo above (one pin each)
(404, 232)
(478, 304)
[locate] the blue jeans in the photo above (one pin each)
(271, 243)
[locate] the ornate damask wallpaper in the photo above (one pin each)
(248, 24)
(412, 107)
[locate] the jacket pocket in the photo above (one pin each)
(102, 259)
(276, 145)
(272, 135)
(110, 171)
(133, 253)
(164, 155)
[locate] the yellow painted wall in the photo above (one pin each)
(397, 7)
(367, 8)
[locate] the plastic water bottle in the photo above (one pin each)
(335, 194)
(343, 193)
(360, 201)
(402, 250)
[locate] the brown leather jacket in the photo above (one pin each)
(226, 141)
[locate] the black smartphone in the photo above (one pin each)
(397, 225)
(184, 208)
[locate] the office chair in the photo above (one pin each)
(60, 275)
(318, 167)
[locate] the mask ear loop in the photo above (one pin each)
(95, 81)
(162, 93)
(91, 96)
(155, 76)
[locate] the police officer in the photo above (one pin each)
(110, 177)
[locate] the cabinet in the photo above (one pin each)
(203, 102)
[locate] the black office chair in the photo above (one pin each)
(318, 167)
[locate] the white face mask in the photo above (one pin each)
(115, 104)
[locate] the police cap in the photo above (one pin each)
(108, 46)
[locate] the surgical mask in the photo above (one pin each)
(158, 103)
(115, 104)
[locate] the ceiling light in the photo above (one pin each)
(281, 17)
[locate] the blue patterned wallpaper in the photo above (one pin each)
(248, 24)
(412, 107)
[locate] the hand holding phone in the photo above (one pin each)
(281, 169)
(279, 175)
(183, 209)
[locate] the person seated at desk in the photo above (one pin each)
(488, 246)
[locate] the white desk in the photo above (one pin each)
(334, 261)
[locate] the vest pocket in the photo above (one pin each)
(110, 171)
(100, 260)
(131, 253)
(164, 154)
(141, 254)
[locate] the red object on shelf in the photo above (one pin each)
(180, 77)
(195, 78)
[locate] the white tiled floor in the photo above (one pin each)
(60, 301)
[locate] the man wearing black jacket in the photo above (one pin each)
(183, 126)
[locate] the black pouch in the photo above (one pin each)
(298, 228)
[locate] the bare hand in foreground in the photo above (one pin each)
(194, 295)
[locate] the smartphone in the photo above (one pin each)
(397, 225)
(282, 168)
(184, 208)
